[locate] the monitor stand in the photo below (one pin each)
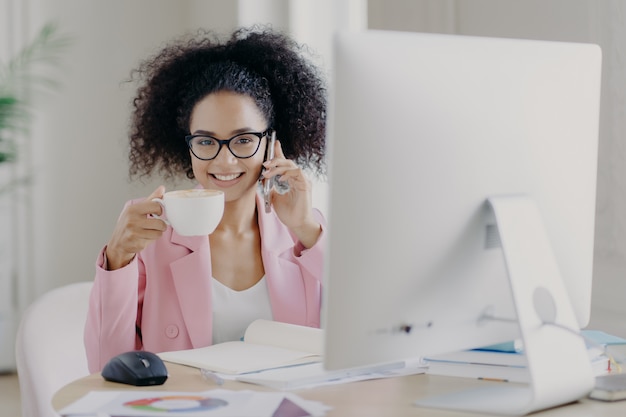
(558, 363)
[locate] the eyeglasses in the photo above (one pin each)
(242, 145)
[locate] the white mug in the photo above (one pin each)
(195, 212)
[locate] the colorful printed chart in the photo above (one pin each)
(177, 403)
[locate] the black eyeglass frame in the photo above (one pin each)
(226, 142)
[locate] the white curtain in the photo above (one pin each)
(14, 203)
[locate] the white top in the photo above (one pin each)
(234, 310)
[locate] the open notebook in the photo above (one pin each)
(266, 345)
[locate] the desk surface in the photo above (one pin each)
(383, 397)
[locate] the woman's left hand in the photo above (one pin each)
(293, 208)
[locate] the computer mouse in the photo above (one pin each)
(136, 367)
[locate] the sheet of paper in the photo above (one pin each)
(217, 402)
(314, 375)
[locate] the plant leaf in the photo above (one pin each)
(21, 78)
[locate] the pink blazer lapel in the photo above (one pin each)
(192, 280)
(286, 290)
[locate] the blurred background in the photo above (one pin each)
(75, 153)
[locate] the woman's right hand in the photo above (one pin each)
(135, 229)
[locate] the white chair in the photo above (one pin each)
(49, 346)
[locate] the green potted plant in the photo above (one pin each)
(21, 79)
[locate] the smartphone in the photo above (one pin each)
(267, 182)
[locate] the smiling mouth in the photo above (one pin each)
(227, 177)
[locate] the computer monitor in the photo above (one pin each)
(440, 148)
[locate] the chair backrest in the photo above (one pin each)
(49, 347)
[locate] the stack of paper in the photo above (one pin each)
(508, 365)
(279, 355)
(615, 346)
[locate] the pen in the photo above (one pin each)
(211, 376)
(493, 379)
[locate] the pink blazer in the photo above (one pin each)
(161, 301)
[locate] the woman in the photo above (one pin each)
(159, 291)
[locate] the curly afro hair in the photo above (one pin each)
(266, 65)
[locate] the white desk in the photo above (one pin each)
(376, 398)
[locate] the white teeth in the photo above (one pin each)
(226, 177)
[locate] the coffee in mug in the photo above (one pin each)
(194, 212)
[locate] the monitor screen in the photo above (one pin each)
(423, 130)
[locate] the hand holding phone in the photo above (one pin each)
(267, 182)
